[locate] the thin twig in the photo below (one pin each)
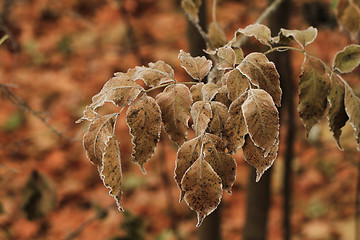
(200, 30)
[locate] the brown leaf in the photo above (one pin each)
(154, 75)
(348, 59)
(191, 7)
(175, 104)
(255, 156)
(196, 91)
(196, 67)
(209, 91)
(110, 170)
(144, 120)
(350, 19)
(314, 85)
(261, 118)
(236, 82)
(337, 116)
(187, 154)
(201, 114)
(119, 90)
(235, 128)
(223, 164)
(97, 137)
(217, 36)
(239, 55)
(202, 188)
(220, 115)
(89, 114)
(303, 37)
(262, 73)
(352, 107)
(222, 96)
(261, 32)
(226, 56)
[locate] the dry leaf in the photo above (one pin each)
(175, 103)
(348, 59)
(314, 85)
(303, 37)
(191, 7)
(235, 128)
(217, 36)
(337, 116)
(255, 156)
(220, 115)
(201, 114)
(202, 188)
(236, 82)
(144, 120)
(222, 96)
(261, 32)
(239, 55)
(97, 137)
(196, 67)
(352, 107)
(89, 114)
(110, 170)
(119, 90)
(196, 91)
(226, 56)
(154, 75)
(187, 154)
(261, 118)
(223, 164)
(262, 73)
(209, 91)
(350, 19)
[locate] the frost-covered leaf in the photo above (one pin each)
(97, 137)
(226, 57)
(89, 114)
(349, 17)
(348, 59)
(261, 32)
(191, 7)
(154, 75)
(110, 170)
(175, 104)
(217, 36)
(337, 116)
(262, 73)
(201, 114)
(196, 67)
(187, 154)
(203, 190)
(144, 120)
(119, 90)
(314, 85)
(255, 156)
(223, 164)
(235, 128)
(236, 82)
(261, 118)
(352, 106)
(196, 91)
(239, 55)
(222, 96)
(220, 115)
(303, 37)
(209, 91)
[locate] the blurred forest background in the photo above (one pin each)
(60, 53)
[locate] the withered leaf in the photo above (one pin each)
(89, 114)
(203, 190)
(255, 156)
(303, 37)
(110, 171)
(236, 82)
(119, 90)
(209, 91)
(196, 91)
(154, 75)
(223, 164)
(352, 107)
(220, 115)
(348, 59)
(226, 56)
(97, 137)
(187, 154)
(261, 32)
(314, 85)
(235, 128)
(196, 67)
(201, 114)
(239, 55)
(191, 7)
(350, 19)
(261, 118)
(337, 116)
(144, 120)
(222, 96)
(262, 73)
(217, 36)
(175, 104)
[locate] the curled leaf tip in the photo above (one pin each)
(201, 218)
(258, 176)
